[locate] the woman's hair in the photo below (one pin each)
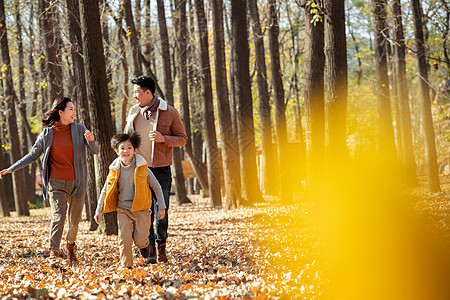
(134, 138)
(52, 116)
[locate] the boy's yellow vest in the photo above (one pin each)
(142, 194)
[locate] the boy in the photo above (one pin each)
(127, 191)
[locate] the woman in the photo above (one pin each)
(64, 173)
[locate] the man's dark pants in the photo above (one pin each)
(164, 177)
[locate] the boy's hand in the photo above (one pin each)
(97, 217)
(161, 213)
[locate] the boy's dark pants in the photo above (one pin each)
(164, 177)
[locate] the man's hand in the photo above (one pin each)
(161, 213)
(3, 172)
(156, 136)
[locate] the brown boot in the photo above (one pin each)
(162, 257)
(152, 255)
(70, 249)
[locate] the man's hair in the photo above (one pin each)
(134, 138)
(145, 82)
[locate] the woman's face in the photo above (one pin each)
(67, 116)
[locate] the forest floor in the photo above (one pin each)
(268, 251)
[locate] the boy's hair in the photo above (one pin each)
(134, 138)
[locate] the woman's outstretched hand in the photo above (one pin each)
(89, 136)
(3, 172)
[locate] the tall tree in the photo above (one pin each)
(182, 33)
(4, 206)
(337, 81)
(97, 95)
(80, 93)
(179, 177)
(20, 196)
(29, 171)
(138, 14)
(230, 148)
(269, 164)
(52, 48)
(244, 104)
(445, 35)
(314, 92)
(381, 33)
(208, 109)
(32, 66)
(427, 119)
(126, 77)
(135, 49)
(280, 105)
(294, 28)
(408, 162)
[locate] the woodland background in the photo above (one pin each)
(336, 109)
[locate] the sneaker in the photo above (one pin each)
(151, 259)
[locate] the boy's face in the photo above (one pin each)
(126, 151)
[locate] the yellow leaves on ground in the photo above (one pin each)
(211, 256)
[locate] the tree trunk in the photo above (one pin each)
(73, 10)
(138, 13)
(314, 97)
(195, 154)
(35, 89)
(208, 110)
(295, 38)
(20, 196)
(135, 49)
(427, 119)
(181, 194)
(32, 65)
(28, 171)
(280, 107)
(445, 33)
(4, 206)
(230, 148)
(98, 97)
(336, 66)
(52, 49)
(398, 138)
(408, 161)
(269, 163)
(126, 77)
(182, 33)
(233, 99)
(381, 32)
(246, 132)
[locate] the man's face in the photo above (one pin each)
(142, 97)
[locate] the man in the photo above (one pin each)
(152, 117)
